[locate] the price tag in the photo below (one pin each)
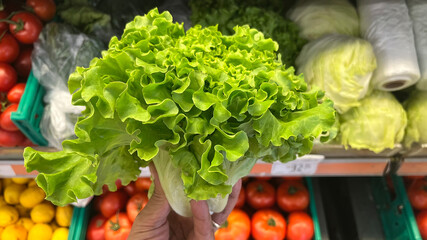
(145, 172)
(6, 171)
(306, 165)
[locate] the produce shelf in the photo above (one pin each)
(325, 160)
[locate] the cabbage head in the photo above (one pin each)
(378, 123)
(317, 18)
(416, 108)
(340, 65)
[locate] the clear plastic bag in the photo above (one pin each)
(57, 53)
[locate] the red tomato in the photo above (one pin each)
(118, 227)
(292, 196)
(44, 9)
(23, 63)
(417, 194)
(10, 139)
(113, 202)
(260, 194)
(241, 200)
(236, 227)
(142, 184)
(300, 226)
(135, 205)
(96, 228)
(3, 25)
(9, 48)
(268, 225)
(130, 189)
(27, 29)
(14, 95)
(422, 223)
(5, 121)
(8, 77)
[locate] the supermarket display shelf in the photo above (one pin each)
(325, 160)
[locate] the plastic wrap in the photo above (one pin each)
(418, 13)
(317, 18)
(387, 25)
(56, 54)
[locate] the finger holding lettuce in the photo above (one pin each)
(201, 105)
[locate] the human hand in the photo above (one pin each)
(157, 221)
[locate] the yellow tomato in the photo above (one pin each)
(64, 215)
(31, 196)
(14, 232)
(40, 231)
(21, 180)
(26, 223)
(60, 234)
(8, 215)
(42, 213)
(12, 193)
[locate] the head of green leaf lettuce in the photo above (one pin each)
(200, 105)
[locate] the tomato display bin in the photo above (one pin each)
(395, 211)
(79, 223)
(30, 111)
(81, 217)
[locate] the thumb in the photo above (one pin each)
(155, 213)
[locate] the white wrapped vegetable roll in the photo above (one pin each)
(387, 25)
(418, 13)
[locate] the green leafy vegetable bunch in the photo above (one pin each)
(201, 105)
(227, 14)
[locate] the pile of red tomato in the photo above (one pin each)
(270, 208)
(417, 194)
(114, 212)
(20, 25)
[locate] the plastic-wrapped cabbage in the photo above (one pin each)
(316, 18)
(378, 123)
(416, 108)
(340, 65)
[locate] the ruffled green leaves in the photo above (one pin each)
(201, 105)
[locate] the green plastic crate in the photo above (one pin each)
(30, 111)
(313, 210)
(395, 211)
(79, 223)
